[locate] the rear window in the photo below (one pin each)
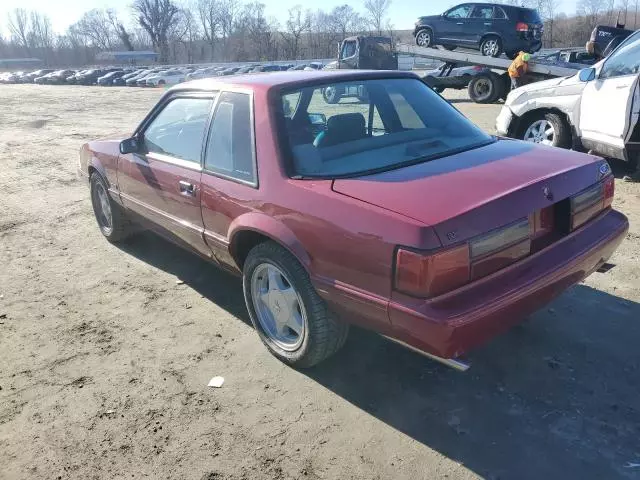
(346, 129)
(529, 15)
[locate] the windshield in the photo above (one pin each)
(346, 129)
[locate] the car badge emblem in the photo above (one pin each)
(547, 193)
(451, 235)
(604, 170)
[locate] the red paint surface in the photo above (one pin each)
(346, 232)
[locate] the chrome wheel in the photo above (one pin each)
(490, 48)
(423, 39)
(540, 131)
(278, 306)
(102, 206)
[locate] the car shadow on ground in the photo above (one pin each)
(216, 285)
(556, 397)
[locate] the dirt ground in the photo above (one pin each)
(105, 351)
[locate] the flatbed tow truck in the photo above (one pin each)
(490, 85)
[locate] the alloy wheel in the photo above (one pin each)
(490, 48)
(102, 206)
(423, 39)
(278, 307)
(540, 131)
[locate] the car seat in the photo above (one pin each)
(346, 127)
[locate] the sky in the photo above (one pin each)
(403, 13)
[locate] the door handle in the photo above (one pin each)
(623, 86)
(488, 24)
(459, 23)
(187, 188)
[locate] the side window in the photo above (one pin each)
(498, 13)
(178, 130)
(483, 12)
(461, 11)
(348, 49)
(230, 145)
(624, 61)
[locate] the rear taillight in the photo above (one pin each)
(428, 275)
(591, 201)
(522, 27)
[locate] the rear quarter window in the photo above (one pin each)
(529, 15)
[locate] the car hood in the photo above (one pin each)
(429, 18)
(477, 190)
(546, 88)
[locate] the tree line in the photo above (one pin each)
(233, 30)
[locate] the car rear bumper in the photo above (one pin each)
(454, 323)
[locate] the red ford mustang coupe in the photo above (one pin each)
(389, 209)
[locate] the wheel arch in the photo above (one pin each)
(539, 112)
(491, 34)
(251, 229)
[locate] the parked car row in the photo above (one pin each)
(142, 77)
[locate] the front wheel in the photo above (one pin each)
(547, 129)
(110, 216)
(291, 319)
(424, 38)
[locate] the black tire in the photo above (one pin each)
(424, 38)
(438, 89)
(451, 48)
(512, 54)
(332, 95)
(491, 46)
(324, 334)
(161, 82)
(486, 87)
(562, 137)
(120, 227)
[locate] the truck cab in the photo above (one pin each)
(367, 53)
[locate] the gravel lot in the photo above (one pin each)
(105, 355)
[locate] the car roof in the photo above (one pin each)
(292, 78)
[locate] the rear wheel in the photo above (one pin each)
(449, 47)
(547, 129)
(491, 46)
(424, 38)
(291, 319)
(485, 87)
(512, 54)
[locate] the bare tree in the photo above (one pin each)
(376, 13)
(592, 10)
(259, 30)
(345, 20)
(208, 14)
(120, 30)
(158, 18)
(42, 32)
(97, 27)
(20, 29)
(186, 32)
(228, 12)
(298, 23)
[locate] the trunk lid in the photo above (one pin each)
(473, 192)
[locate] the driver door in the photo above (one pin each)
(162, 182)
(610, 103)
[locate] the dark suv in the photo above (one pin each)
(488, 27)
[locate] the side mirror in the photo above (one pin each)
(318, 119)
(587, 74)
(130, 145)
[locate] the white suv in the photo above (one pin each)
(596, 109)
